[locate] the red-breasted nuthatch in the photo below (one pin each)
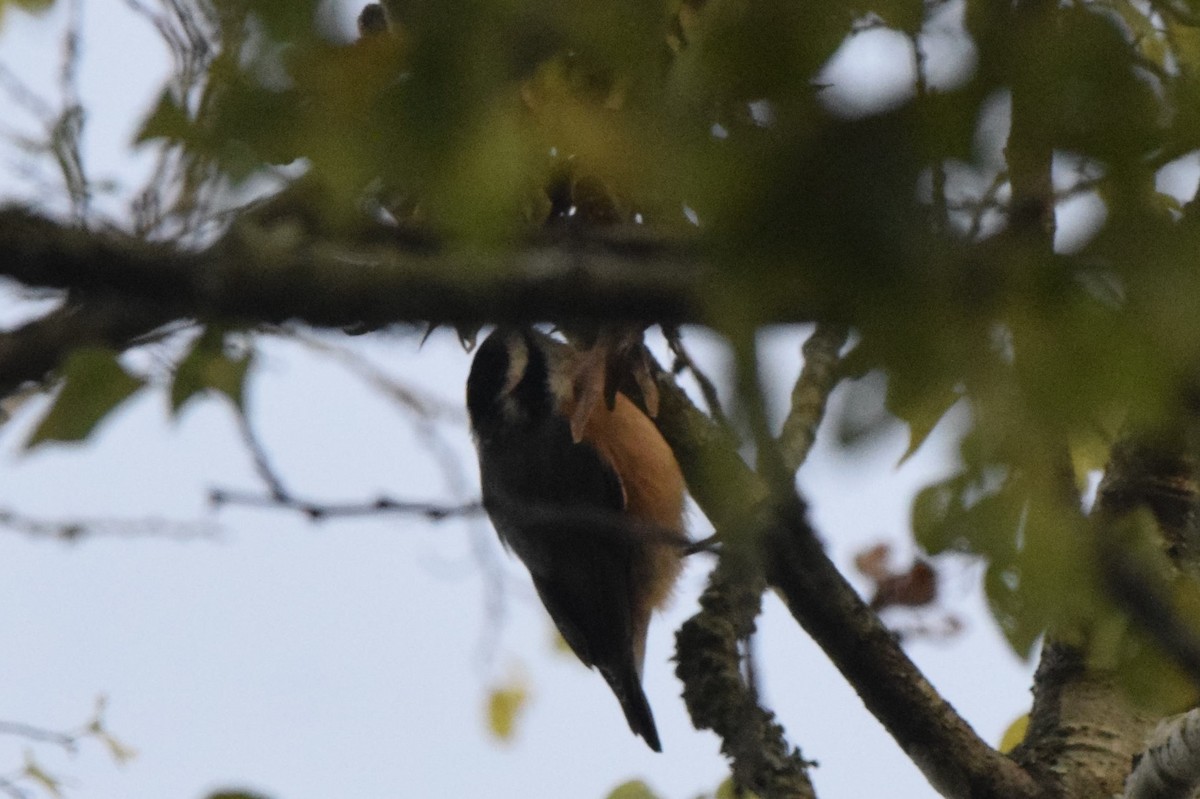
(598, 522)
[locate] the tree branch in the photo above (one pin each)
(318, 511)
(1170, 766)
(390, 276)
(719, 698)
(954, 759)
(32, 351)
(75, 529)
(1030, 149)
(811, 392)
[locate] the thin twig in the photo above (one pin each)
(76, 529)
(67, 741)
(822, 353)
(684, 361)
(941, 214)
(262, 464)
(318, 511)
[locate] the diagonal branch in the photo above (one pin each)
(31, 352)
(951, 755)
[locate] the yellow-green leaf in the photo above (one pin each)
(728, 790)
(504, 707)
(94, 384)
(1015, 733)
(634, 789)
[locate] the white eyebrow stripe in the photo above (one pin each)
(518, 361)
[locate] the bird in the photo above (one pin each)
(597, 516)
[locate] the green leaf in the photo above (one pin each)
(94, 384)
(921, 404)
(208, 367)
(167, 121)
(634, 789)
(933, 508)
(968, 513)
(1154, 681)
(1014, 734)
(1002, 584)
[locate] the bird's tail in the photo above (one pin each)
(626, 683)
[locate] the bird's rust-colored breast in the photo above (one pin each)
(654, 496)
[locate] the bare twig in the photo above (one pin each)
(941, 214)
(79, 528)
(66, 135)
(67, 740)
(683, 361)
(318, 511)
(262, 464)
(279, 496)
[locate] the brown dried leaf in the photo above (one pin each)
(915, 588)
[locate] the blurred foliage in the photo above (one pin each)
(93, 385)
(484, 120)
(33, 6)
(634, 789)
(210, 367)
(504, 707)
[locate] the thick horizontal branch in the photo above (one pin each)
(277, 274)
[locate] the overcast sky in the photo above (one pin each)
(354, 658)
